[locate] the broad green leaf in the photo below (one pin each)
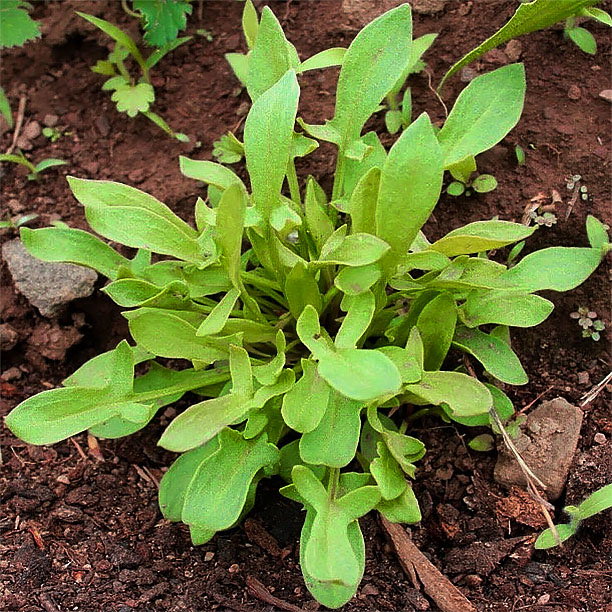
(598, 15)
(218, 491)
(597, 233)
(5, 108)
(597, 502)
(354, 250)
(203, 421)
(362, 204)
(333, 442)
(556, 268)
(464, 395)
(241, 371)
(49, 163)
(424, 260)
(306, 403)
(230, 226)
(582, 38)
(387, 473)
(461, 172)
(272, 56)
(357, 280)
(250, 23)
(17, 26)
(219, 315)
(529, 17)
(410, 186)
(323, 59)
(134, 218)
(402, 326)
(513, 308)
(290, 456)
(73, 246)
(482, 443)
(132, 292)
(374, 61)
(174, 484)
(239, 63)
(495, 355)
(484, 183)
(393, 121)
(471, 273)
(436, 325)
(501, 404)
(162, 19)
(356, 169)
(267, 140)
(485, 111)
(209, 172)
(405, 362)
(547, 539)
(301, 289)
(402, 509)
(359, 314)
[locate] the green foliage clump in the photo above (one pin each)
(162, 19)
(16, 26)
(308, 317)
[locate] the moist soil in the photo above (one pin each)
(80, 528)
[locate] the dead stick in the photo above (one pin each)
(47, 603)
(446, 595)
(259, 590)
(18, 123)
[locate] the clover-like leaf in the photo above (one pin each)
(132, 99)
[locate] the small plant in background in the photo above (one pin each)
(542, 217)
(483, 183)
(313, 322)
(580, 36)
(595, 503)
(520, 155)
(15, 223)
(35, 170)
(591, 325)
(161, 20)
(132, 95)
(54, 134)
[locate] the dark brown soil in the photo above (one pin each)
(78, 533)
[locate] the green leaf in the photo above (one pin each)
(241, 371)
(402, 509)
(596, 502)
(163, 19)
(362, 204)
(484, 183)
(333, 442)
(583, 39)
(464, 395)
(230, 227)
(228, 149)
(267, 140)
(485, 111)
(134, 218)
(393, 121)
(268, 374)
(306, 403)
(301, 289)
(73, 246)
(318, 223)
(516, 309)
(17, 26)
(436, 325)
(529, 17)
(49, 163)
(219, 315)
(355, 170)
(455, 189)
(501, 404)
(556, 268)
(209, 172)
(132, 99)
(324, 59)
(5, 108)
(218, 491)
(239, 63)
(495, 355)
(547, 539)
(462, 170)
(160, 53)
(374, 61)
(482, 443)
(272, 56)
(387, 473)
(132, 292)
(481, 236)
(359, 313)
(410, 186)
(175, 482)
(597, 232)
(354, 250)
(290, 456)
(598, 15)
(250, 23)
(408, 365)
(357, 280)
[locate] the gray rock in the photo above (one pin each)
(547, 445)
(606, 94)
(48, 286)
(32, 130)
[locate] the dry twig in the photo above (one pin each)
(590, 395)
(18, 123)
(259, 591)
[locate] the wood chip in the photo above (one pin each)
(446, 595)
(259, 591)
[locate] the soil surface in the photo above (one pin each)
(80, 528)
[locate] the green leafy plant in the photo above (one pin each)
(131, 95)
(591, 325)
(35, 170)
(308, 318)
(15, 223)
(161, 19)
(537, 15)
(483, 183)
(17, 26)
(595, 503)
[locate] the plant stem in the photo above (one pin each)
(128, 10)
(334, 479)
(294, 187)
(339, 176)
(123, 70)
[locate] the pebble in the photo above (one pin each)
(10, 374)
(467, 74)
(584, 378)
(574, 92)
(209, 556)
(606, 94)
(600, 438)
(50, 120)
(32, 130)
(8, 337)
(514, 50)
(136, 176)
(91, 167)
(16, 206)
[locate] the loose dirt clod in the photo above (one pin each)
(547, 446)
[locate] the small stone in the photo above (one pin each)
(8, 337)
(467, 74)
(428, 7)
(32, 130)
(68, 514)
(495, 56)
(243, 109)
(584, 378)
(606, 94)
(48, 286)
(137, 176)
(24, 143)
(10, 374)
(543, 599)
(91, 167)
(50, 120)
(473, 580)
(103, 125)
(514, 50)
(574, 92)
(234, 568)
(15, 206)
(599, 438)
(63, 479)
(209, 556)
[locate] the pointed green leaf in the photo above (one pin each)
(324, 59)
(387, 473)
(436, 324)
(301, 289)
(219, 315)
(362, 205)
(402, 509)
(230, 226)
(357, 280)
(209, 172)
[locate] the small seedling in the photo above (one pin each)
(206, 34)
(520, 155)
(35, 170)
(591, 325)
(132, 95)
(15, 223)
(594, 504)
(54, 134)
(483, 183)
(228, 149)
(543, 218)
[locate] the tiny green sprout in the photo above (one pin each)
(228, 149)
(54, 134)
(520, 155)
(591, 325)
(597, 502)
(35, 170)
(484, 183)
(134, 94)
(206, 34)
(547, 219)
(482, 443)
(15, 223)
